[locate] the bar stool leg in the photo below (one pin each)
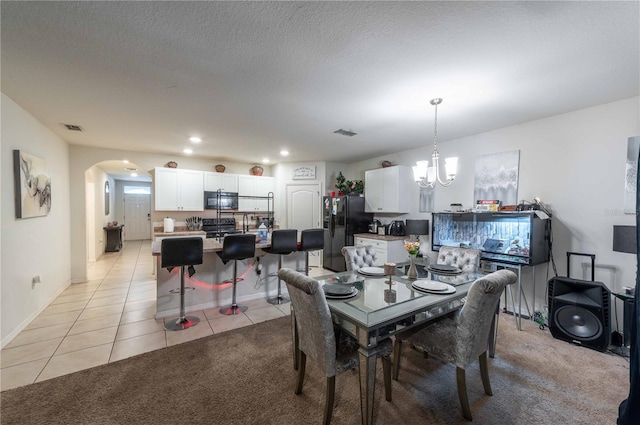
(234, 308)
(279, 299)
(183, 322)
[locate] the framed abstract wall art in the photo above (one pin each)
(631, 173)
(32, 185)
(497, 177)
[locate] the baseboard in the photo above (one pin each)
(26, 322)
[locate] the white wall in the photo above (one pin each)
(34, 246)
(575, 163)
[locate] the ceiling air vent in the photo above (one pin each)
(73, 127)
(345, 132)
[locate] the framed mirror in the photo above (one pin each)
(106, 198)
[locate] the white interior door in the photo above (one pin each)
(137, 217)
(303, 211)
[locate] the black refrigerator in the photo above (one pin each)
(342, 217)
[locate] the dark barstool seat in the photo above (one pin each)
(181, 252)
(283, 242)
(236, 247)
(310, 240)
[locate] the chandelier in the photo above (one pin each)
(427, 176)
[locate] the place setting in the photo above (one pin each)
(433, 287)
(444, 269)
(371, 271)
(338, 291)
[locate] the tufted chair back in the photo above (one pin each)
(466, 259)
(359, 256)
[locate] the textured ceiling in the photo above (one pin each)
(251, 78)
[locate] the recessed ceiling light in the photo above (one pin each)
(188, 151)
(265, 160)
(195, 139)
(284, 153)
(126, 161)
(134, 174)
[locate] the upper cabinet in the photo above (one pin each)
(178, 190)
(385, 189)
(224, 182)
(253, 192)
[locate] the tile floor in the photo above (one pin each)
(109, 318)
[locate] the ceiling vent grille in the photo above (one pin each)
(73, 127)
(345, 132)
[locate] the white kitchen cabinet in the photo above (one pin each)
(224, 182)
(386, 189)
(253, 192)
(386, 250)
(178, 190)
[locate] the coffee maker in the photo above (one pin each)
(373, 227)
(396, 228)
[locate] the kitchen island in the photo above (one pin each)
(212, 280)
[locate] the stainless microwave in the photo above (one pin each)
(220, 200)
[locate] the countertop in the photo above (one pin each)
(180, 233)
(380, 237)
(208, 245)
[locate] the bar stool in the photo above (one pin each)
(236, 247)
(283, 242)
(310, 240)
(181, 252)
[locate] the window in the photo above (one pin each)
(137, 190)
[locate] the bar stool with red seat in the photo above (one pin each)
(283, 242)
(310, 240)
(236, 247)
(181, 252)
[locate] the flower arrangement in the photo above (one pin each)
(349, 187)
(412, 247)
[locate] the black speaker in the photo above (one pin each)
(579, 312)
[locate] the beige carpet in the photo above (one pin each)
(246, 377)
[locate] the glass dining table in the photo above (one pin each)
(384, 306)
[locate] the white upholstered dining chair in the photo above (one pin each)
(463, 336)
(359, 256)
(333, 353)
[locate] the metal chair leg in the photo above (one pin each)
(182, 322)
(234, 308)
(279, 299)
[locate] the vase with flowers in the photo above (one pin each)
(412, 247)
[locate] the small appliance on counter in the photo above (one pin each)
(396, 228)
(373, 227)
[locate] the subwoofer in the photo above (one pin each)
(579, 312)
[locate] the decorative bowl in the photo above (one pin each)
(172, 164)
(256, 170)
(386, 164)
(220, 168)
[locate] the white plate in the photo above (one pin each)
(431, 285)
(371, 271)
(449, 290)
(342, 297)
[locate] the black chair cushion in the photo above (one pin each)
(283, 242)
(176, 252)
(311, 239)
(238, 247)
